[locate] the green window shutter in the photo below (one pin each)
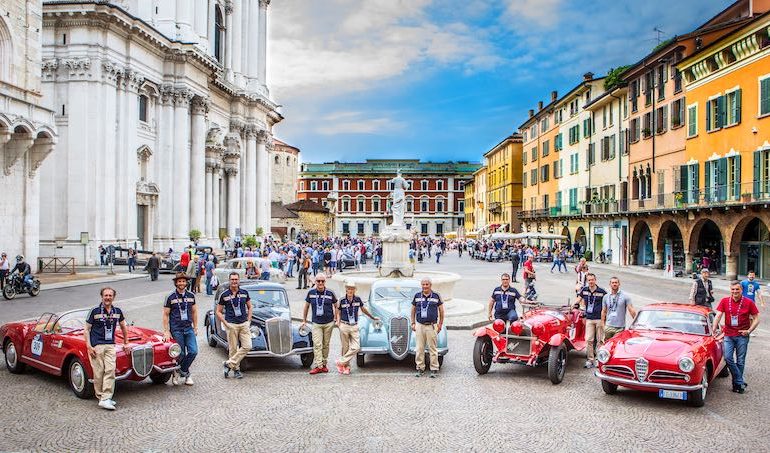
(737, 180)
(721, 113)
(764, 97)
(757, 172)
(695, 186)
(737, 115)
(683, 171)
(708, 115)
(707, 175)
(722, 179)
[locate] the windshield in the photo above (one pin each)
(671, 320)
(268, 298)
(394, 293)
(69, 322)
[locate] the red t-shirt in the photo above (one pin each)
(743, 309)
(184, 260)
(530, 268)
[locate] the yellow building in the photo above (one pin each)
(504, 191)
(480, 196)
(470, 209)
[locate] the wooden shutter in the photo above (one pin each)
(721, 112)
(708, 115)
(695, 186)
(737, 179)
(757, 172)
(708, 170)
(721, 165)
(737, 117)
(764, 96)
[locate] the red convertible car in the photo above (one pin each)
(669, 349)
(543, 336)
(55, 344)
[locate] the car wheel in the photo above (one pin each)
(12, 358)
(609, 388)
(78, 380)
(9, 292)
(557, 363)
(159, 378)
(307, 359)
(482, 354)
(210, 336)
(697, 398)
(35, 289)
(361, 360)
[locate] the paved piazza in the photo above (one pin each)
(279, 407)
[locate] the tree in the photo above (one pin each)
(260, 231)
(613, 77)
(195, 235)
(249, 241)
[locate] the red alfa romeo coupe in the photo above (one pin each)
(669, 349)
(55, 344)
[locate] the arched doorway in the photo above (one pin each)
(708, 247)
(752, 242)
(641, 245)
(579, 245)
(671, 236)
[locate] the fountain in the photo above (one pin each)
(395, 259)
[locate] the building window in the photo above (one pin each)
(460, 185)
(325, 185)
(733, 107)
(677, 113)
(302, 185)
(313, 185)
(346, 185)
(574, 134)
(408, 227)
(143, 108)
(360, 228)
(546, 203)
(376, 228)
(424, 228)
(376, 184)
(439, 205)
(692, 120)
(376, 204)
(360, 184)
(647, 125)
(533, 177)
(288, 161)
(409, 204)
(634, 130)
(346, 228)
(219, 35)
(557, 142)
(546, 148)
(762, 173)
(573, 198)
(574, 161)
(440, 184)
(544, 173)
(424, 184)
(533, 153)
(461, 205)
(439, 229)
(764, 96)
(424, 204)
(715, 113)
(345, 204)
(361, 204)
(661, 119)
(276, 160)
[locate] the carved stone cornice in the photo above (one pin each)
(166, 94)
(49, 68)
(77, 66)
(111, 71)
(263, 137)
(39, 150)
(250, 132)
(228, 7)
(143, 153)
(237, 126)
(200, 105)
(270, 145)
(146, 193)
(183, 96)
(133, 79)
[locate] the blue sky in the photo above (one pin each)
(444, 79)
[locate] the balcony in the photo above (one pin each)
(495, 207)
(716, 196)
(602, 207)
(533, 214)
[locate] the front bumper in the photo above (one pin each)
(264, 353)
(130, 373)
(441, 351)
(647, 385)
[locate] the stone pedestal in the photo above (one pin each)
(395, 251)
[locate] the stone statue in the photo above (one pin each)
(331, 201)
(398, 206)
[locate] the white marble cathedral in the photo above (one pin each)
(164, 122)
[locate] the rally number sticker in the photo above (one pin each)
(37, 345)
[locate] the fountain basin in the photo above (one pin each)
(443, 282)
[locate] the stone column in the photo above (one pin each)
(229, 38)
(209, 200)
(197, 162)
(215, 210)
(164, 167)
(184, 21)
(236, 51)
(658, 262)
(263, 182)
(180, 174)
(262, 68)
(250, 134)
(133, 82)
(255, 45)
(243, 43)
(731, 266)
(232, 200)
(687, 262)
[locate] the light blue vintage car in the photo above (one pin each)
(391, 301)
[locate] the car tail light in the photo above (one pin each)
(516, 328)
(498, 325)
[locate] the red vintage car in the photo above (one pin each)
(543, 335)
(55, 344)
(668, 349)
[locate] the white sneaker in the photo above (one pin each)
(188, 380)
(112, 401)
(174, 378)
(107, 404)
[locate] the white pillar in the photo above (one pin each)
(201, 20)
(251, 180)
(263, 183)
(198, 163)
(184, 21)
(209, 213)
(215, 210)
(233, 197)
(131, 168)
(262, 69)
(164, 168)
(244, 43)
(229, 39)
(236, 50)
(254, 45)
(181, 166)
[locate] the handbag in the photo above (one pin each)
(214, 282)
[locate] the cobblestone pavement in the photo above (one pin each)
(279, 407)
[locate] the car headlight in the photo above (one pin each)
(603, 356)
(377, 324)
(686, 364)
(255, 331)
(304, 331)
(174, 351)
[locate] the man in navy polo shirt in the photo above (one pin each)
(427, 319)
(324, 303)
(100, 342)
(590, 298)
(347, 322)
(234, 313)
(503, 301)
(180, 322)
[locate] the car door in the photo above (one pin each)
(714, 346)
(33, 349)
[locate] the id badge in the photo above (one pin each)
(590, 307)
(183, 314)
(505, 305)
(108, 333)
(319, 310)
(734, 320)
(424, 313)
(237, 309)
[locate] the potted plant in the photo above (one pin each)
(746, 196)
(646, 132)
(679, 198)
(195, 235)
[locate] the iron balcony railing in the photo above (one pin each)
(720, 195)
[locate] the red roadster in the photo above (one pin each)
(669, 349)
(55, 344)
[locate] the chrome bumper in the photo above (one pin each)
(297, 351)
(130, 372)
(441, 351)
(652, 385)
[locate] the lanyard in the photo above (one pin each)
(424, 308)
(106, 316)
(730, 307)
(614, 301)
(319, 305)
(354, 318)
(236, 300)
(183, 303)
(504, 296)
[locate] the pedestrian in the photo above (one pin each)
(264, 265)
(234, 313)
(131, 260)
(702, 290)
(192, 273)
(153, 266)
(5, 267)
(741, 318)
(99, 334)
(200, 264)
(290, 261)
(426, 324)
(347, 323)
(437, 251)
(615, 304)
(582, 275)
(515, 260)
(752, 289)
(184, 259)
(562, 260)
(556, 262)
(303, 270)
(323, 303)
(529, 272)
(180, 322)
(327, 260)
(357, 257)
(210, 275)
(501, 303)
(590, 298)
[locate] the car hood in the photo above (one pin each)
(392, 309)
(653, 344)
(265, 312)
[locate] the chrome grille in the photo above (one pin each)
(142, 358)
(620, 370)
(641, 369)
(399, 337)
(668, 375)
(278, 335)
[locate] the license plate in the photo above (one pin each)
(672, 394)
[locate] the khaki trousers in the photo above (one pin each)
(235, 333)
(610, 331)
(350, 342)
(103, 366)
(425, 334)
(322, 335)
(594, 331)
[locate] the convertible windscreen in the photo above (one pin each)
(272, 298)
(395, 292)
(675, 321)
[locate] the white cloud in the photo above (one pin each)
(543, 13)
(350, 122)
